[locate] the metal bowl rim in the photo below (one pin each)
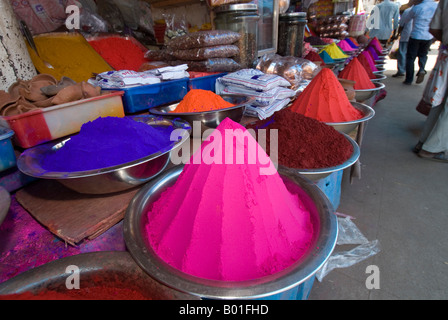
(182, 124)
(205, 288)
(378, 85)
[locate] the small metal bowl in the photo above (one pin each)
(95, 270)
(208, 119)
(380, 70)
(366, 94)
(349, 126)
(5, 202)
(322, 217)
(105, 180)
(379, 78)
(322, 173)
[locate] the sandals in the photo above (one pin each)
(440, 156)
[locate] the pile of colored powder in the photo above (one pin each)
(369, 59)
(305, 143)
(198, 100)
(376, 44)
(324, 99)
(313, 56)
(107, 142)
(355, 71)
(120, 53)
(353, 40)
(315, 41)
(365, 63)
(334, 51)
(224, 220)
(351, 43)
(326, 57)
(344, 46)
(372, 52)
(92, 293)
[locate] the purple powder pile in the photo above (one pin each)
(107, 142)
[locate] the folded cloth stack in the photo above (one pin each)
(270, 92)
(130, 78)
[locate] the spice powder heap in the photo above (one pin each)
(324, 99)
(199, 100)
(355, 71)
(305, 143)
(228, 222)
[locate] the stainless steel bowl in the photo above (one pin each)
(349, 126)
(105, 180)
(5, 202)
(380, 70)
(95, 269)
(364, 95)
(323, 219)
(208, 119)
(379, 78)
(322, 173)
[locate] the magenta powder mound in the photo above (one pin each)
(107, 142)
(228, 222)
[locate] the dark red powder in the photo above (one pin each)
(120, 53)
(93, 293)
(315, 57)
(305, 143)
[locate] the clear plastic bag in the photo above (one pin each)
(296, 70)
(109, 11)
(211, 65)
(175, 26)
(217, 3)
(92, 22)
(222, 51)
(200, 39)
(348, 233)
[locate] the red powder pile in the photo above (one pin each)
(305, 143)
(119, 53)
(355, 71)
(93, 293)
(365, 63)
(324, 99)
(314, 57)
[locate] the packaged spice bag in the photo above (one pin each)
(221, 51)
(200, 39)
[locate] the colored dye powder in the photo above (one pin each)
(365, 63)
(324, 99)
(228, 222)
(351, 43)
(355, 71)
(353, 40)
(198, 100)
(377, 45)
(326, 57)
(92, 293)
(372, 52)
(370, 60)
(314, 57)
(344, 46)
(335, 52)
(119, 53)
(305, 143)
(107, 142)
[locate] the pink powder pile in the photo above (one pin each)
(228, 222)
(370, 60)
(345, 46)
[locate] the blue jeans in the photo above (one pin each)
(401, 57)
(420, 49)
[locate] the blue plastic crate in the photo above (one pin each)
(206, 82)
(7, 155)
(143, 98)
(331, 186)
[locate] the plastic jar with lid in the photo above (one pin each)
(241, 18)
(291, 31)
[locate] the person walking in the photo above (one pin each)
(433, 142)
(388, 16)
(420, 39)
(404, 32)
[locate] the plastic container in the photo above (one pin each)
(331, 186)
(242, 18)
(47, 124)
(142, 98)
(7, 155)
(291, 31)
(205, 82)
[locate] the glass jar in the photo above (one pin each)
(241, 18)
(291, 31)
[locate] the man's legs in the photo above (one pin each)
(401, 59)
(422, 55)
(411, 55)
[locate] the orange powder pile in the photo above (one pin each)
(198, 100)
(324, 99)
(355, 71)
